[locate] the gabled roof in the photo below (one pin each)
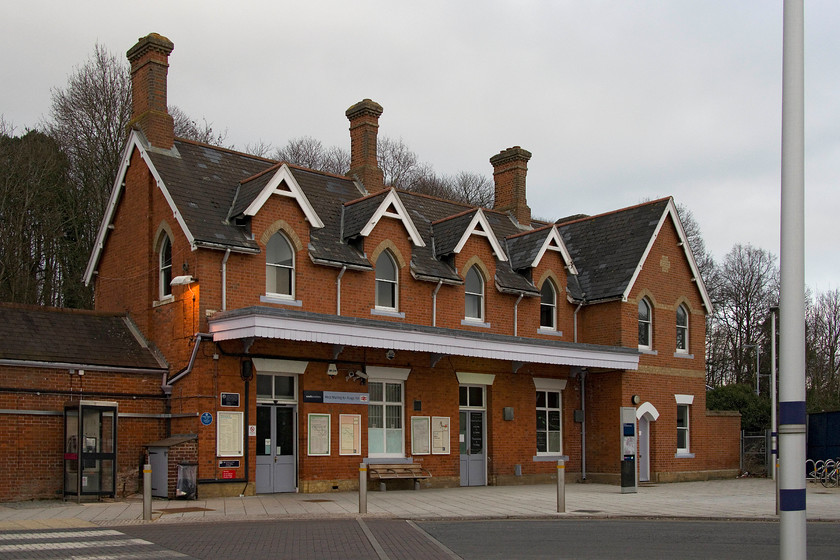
(361, 216)
(70, 338)
(528, 248)
(609, 249)
(452, 233)
(281, 182)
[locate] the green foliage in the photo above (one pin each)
(754, 409)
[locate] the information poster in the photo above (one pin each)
(350, 434)
(229, 434)
(420, 435)
(319, 434)
(440, 435)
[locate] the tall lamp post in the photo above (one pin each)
(757, 376)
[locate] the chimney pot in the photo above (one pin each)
(364, 128)
(149, 60)
(510, 168)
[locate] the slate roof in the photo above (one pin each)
(211, 186)
(607, 248)
(70, 336)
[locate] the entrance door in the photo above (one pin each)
(473, 455)
(276, 452)
(644, 449)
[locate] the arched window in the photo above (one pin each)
(279, 266)
(474, 295)
(165, 268)
(387, 282)
(682, 329)
(645, 322)
(548, 306)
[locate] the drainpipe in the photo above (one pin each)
(516, 313)
(575, 315)
(338, 291)
(224, 279)
(583, 423)
(434, 303)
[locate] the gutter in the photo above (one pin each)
(338, 291)
(516, 313)
(434, 303)
(224, 279)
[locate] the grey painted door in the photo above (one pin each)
(644, 449)
(473, 448)
(276, 451)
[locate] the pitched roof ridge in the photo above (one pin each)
(382, 193)
(227, 150)
(436, 198)
(261, 173)
(531, 231)
(458, 215)
(66, 310)
(611, 212)
(317, 171)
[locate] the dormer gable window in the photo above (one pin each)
(387, 282)
(548, 306)
(279, 267)
(474, 295)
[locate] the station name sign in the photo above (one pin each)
(334, 397)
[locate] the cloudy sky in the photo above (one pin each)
(618, 101)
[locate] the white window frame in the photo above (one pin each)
(394, 283)
(386, 375)
(479, 295)
(685, 401)
(164, 284)
(277, 295)
(553, 306)
(684, 328)
(550, 385)
(648, 324)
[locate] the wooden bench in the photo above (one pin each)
(400, 471)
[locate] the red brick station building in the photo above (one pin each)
(275, 326)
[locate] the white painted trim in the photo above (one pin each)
(671, 210)
(647, 408)
(385, 337)
(284, 174)
(470, 378)
(265, 365)
(382, 373)
(401, 214)
(549, 384)
(684, 399)
(554, 235)
(480, 218)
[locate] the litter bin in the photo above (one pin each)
(187, 476)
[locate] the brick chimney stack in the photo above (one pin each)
(149, 60)
(509, 170)
(364, 126)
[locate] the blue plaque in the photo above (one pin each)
(206, 418)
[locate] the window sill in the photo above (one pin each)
(549, 458)
(475, 323)
(549, 332)
(396, 460)
(164, 301)
(280, 300)
(683, 455)
(684, 355)
(388, 313)
(648, 351)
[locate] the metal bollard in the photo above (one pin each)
(362, 488)
(147, 492)
(561, 486)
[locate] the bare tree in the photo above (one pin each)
(307, 151)
(190, 129)
(823, 351)
(749, 286)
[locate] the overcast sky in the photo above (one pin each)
(618, 101)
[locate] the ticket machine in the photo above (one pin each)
(628, 449)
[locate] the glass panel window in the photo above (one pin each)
(682, 428)
(165, 268)
(474, 295)
(386, 282)
(682, 329)
(385, 419)
(279, 266)
(644, 324)
(549, 423)
(276, 387)
(471, 396)
(548, 306)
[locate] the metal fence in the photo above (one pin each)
(756, 458)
